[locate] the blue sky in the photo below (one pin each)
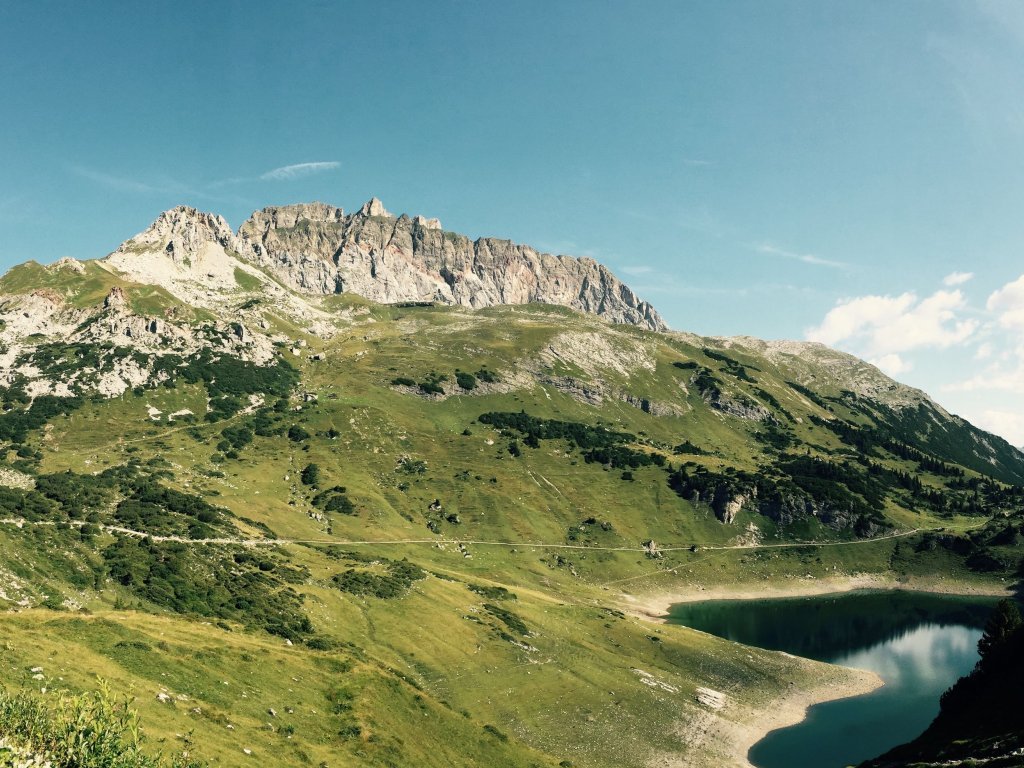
(813, 169)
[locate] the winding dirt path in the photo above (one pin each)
(21, 522)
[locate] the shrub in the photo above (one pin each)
(211, 583)
(340, 503)
(465, 380)
(311, 475)
(297, 434)
(89, 730)
(492, 593)
(509, 619)
(495, 732)
(400, 576)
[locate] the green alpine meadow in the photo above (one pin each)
(349, 489)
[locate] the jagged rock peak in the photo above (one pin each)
(288, 216)
(189, 223)
(181, 232)
(69, 264)
(182, 244)
(317, 249)
(115, 299)
(374, 207)
(423, 221)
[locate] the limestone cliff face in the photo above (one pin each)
(183, 244)
(317, 248)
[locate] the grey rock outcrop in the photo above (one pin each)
(316, 248)
(115, 299)
(182, 245)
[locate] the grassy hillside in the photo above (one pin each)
(414, 540)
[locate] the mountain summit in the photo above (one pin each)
(316, 248)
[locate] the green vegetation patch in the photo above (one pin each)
(599, 445)
(839, 495)
(89, 730)
(508, 618)
(229, 380)
(733, 367)
(22, 415)
(334, 500)
(221, 582)
(246, 281)
(375, 577)
(491, 592)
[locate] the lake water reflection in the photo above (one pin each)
(918, 643)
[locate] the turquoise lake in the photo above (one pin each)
(918, 643)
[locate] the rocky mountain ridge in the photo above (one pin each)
(188, 283)
(317, 249)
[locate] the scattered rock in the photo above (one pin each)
(115, 299)
(710, 698)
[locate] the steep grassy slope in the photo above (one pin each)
(417, 532)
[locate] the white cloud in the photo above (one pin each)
(299, 170)
(1008, 303)
(882, 325)
(957, 278)
(853, 317)
(892, 364)
(984, 351)
(806, 258)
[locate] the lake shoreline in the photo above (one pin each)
(813, 685)
(793, 706)
(655, 606)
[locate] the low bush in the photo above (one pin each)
(89, 730)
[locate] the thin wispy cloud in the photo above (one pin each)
(299, 170)
(161, 187)
(211, 190)
(957, 278)
(638, 269)
(806, 258)
(120, 183)
(663, 283)
(15, 208)
(699, 218)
